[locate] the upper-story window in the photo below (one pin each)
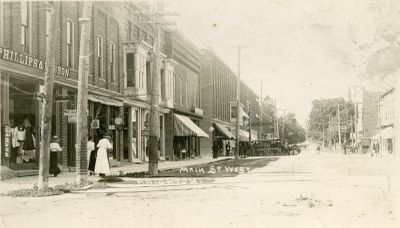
(186, 93)
(112, 61)
(25, 26)
(130, 70)
(70, 44)
(180, 90)
(100, 56)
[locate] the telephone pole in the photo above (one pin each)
(261, 109)
(283, 127)
(155, 95)
(339, 132)
(83, 74)
(45, 133)
(237, 107)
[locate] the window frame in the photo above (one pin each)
(112, 51)
(25, 24)
(100, 57)
(70, 43)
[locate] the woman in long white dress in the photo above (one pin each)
(102, 165)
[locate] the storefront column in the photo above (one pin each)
(162, 136)
(139, 136)
(130, 133)
(64, 131)
(5, 121)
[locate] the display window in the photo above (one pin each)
(22, 122)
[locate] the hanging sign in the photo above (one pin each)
(61, 98)
(71, 114)
(118, 121)
(95, 124)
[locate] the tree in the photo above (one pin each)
(323, 119)
(293, 131)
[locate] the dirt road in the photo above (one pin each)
(308, 190)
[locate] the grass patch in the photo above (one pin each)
(111, 179)
(51, 191)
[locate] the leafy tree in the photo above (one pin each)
(323, 119)
(293, 131)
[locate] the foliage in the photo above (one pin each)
(293, 131)
(323, 118)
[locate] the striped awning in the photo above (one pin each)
(183, 126)
(222, 129)
(105, 100)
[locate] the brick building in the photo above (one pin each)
(119, 82)
(218, 100)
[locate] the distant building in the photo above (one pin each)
(387, 121)
(218, 101)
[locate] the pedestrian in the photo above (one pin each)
(91, 154)
(215, 149)
(228, 149)
(102, 166)
(54, 149)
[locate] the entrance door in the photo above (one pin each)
(71, 144)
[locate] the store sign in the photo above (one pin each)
(7, 136)
(95, 124)
(198, 111)
(119, 121)
(61, 99)
(29, 61)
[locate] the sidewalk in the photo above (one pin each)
(69, 177)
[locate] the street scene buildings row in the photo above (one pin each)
(198, 90)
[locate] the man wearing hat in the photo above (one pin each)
(54, 149)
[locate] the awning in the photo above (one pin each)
(387, 133)
(243, 135)
(105, 100)
(224, 131)
(183, 126)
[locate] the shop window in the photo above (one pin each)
(112, 61)
(70, 44)
(130, 70)
(100, 57)
(163, 84)
(25, 26)
(22, 121)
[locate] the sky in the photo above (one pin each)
(301, 49)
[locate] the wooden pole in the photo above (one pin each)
(237, 107)
(45, 133)
(83, 74)
(339, 130)
(155, 97)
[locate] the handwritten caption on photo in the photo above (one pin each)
(215, 169)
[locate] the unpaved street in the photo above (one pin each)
(308, 190)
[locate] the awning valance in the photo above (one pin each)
(224, 131)
(105, 100)
(243, 135)
(183, 126)
(387, 133)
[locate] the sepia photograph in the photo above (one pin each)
(200, 113)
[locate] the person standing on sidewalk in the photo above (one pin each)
(215, 149)
(54, 149)
(91, 154)
(228, 149)
(102, 166)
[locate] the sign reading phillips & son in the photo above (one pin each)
(29, 61)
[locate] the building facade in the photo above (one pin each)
(386, 132)
(120, 82)
(218, 100)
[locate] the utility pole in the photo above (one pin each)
(276, 121)
(283, 127)
(155, 87)
(83, 74)
(261, 109)
(155, 94)
(237, 107)
(339, 132)
(45, 133)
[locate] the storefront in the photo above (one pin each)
(106, 115)
(182, 136)
(222, 136)
(20, 122)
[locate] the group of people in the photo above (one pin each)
(98, 162)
